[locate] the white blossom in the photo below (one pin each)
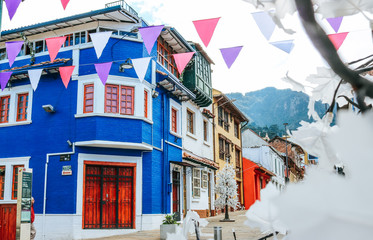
(226, 188)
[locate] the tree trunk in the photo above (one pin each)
(226, 209)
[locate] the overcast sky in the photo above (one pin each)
(259, 64)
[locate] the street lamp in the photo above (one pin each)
(286, 159)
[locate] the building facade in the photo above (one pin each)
(227, 135)
(104, 158)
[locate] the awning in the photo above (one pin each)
(202, 161)
(169, 82)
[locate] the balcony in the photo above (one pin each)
(124, 6)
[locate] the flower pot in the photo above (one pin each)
(167, 228)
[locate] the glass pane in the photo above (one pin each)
(38, 46)
(77, 38)
(83, 38)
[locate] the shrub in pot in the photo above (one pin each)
(169, 225)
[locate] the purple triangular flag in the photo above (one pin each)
(285, 46)
(265, 23)
(149, 36)
(103, 70)
(12, 6)
(4, 78)
(335, 23)
(12, 49)
(230, 54)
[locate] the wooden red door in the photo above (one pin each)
(109, 197)
(8, 216)
(176, 194)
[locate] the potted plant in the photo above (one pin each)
(169, 225)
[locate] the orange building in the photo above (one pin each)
(255, 177)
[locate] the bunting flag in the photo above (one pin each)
(335, 23)
(34, 76)
(64, 3)
(182, 59)
(205, 29)
(4, 78)
(230, 54)
(337, 39)
(103, 70)
(265, 23)
(12, 6)
(54, 45)
(286, 45)
(12, 50)
(149, 36)
(66, 73)
(100, 41)
(141, 67)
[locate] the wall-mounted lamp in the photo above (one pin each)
(155, 94)
(48, 108)
(126, 65)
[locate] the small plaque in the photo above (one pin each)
(66, 170)
(64, 158)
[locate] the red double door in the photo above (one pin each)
(8, 216)
(109, 197)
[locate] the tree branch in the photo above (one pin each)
(327, 50)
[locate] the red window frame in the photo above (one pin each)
(174, 120)
(4, 109)
(111, 98)
(2, 182)
(88, 98)
(15, 181)
(22, 107)
(127, 100)
(145, 103)
(164, 56)
(69, 40)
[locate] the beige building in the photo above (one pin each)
(227, 135)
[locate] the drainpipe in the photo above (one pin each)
(46, 177)
(165, 153)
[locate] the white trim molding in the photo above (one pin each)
(114, 144)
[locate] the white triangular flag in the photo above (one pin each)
(141, 66)
(34, 76)
(99, 41)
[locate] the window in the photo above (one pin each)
(174, 120)
(69, 40)
(190, 121)
(236, 130)
(226, 121)
(39, 46)
(221, 149)
(88, 98)
(205, 131)
(111, 98)
(22, 107)
(196, 183)
(227, 155)
(164, 53)
(15, 181)
(4, 109)
(238, 158)
(220, 116)
(204, 179)
(145, 103)
(126, 100)
(2, 182)
(2, 54)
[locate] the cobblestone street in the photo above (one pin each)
(242, 231)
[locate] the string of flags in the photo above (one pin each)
(205, 29)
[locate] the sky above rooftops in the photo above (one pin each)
(259, 64)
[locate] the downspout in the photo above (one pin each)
(45, 181)
(243, 182)
(165, 153)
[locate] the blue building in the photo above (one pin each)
(101, 154)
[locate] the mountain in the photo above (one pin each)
(271, 106)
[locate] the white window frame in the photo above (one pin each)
(13, 92)
(203, 180)
(177, 107)
(193, 120)
(8, 183)
(207, 131)
(196, 177)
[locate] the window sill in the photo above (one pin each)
(206, 143)
(191, 135)
(175, 134)
(112, 115)
(15, 123)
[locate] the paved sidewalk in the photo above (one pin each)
(242, 231)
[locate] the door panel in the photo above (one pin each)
(8, 216)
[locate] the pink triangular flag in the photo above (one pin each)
(66, 73)
(54, 45)
(4, 78)
(34, 76)
(64, 3)
(12, 6)
(12, 50)
(230, 54)
(182, 59)
(205, 28)
(100, 41)
(335, 23)
(149, 36)
(141, 66)
(337, 39)
(103, 70)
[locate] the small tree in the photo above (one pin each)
(226, 188)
